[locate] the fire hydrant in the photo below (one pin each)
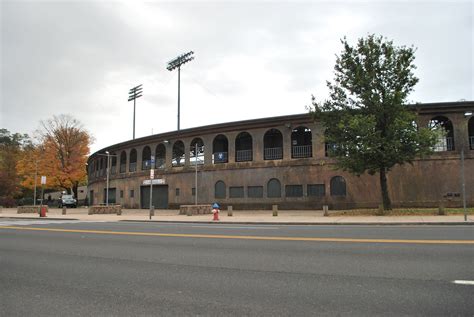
(43, 211)
(215, 211)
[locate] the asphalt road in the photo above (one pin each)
(131, 269)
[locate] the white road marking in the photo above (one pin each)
(463, 282)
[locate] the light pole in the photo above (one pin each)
(36, 175)
(176, 63)
(467, 115)
(196, 175)
(107, 190)
(133, 94)
(107, 153)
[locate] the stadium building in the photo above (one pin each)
(254, 164)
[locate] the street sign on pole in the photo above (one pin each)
(43, 180)
(152, 175)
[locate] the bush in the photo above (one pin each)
(7, 202)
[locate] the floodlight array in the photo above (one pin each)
(135, 92)
(180, 60)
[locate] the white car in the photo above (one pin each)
(68, 201)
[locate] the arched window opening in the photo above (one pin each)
(273, 188)
(338, 186)
(220, 148)
(301, 143)
(197, 151)
(103, 162)
(146, 158)
(113, 163)
(97, 165)
(470, 128)
(160, 156)
(243, 147)
(273, 145)
(132, 167)
(91, 169)
(444, 127)
(219, 190)
(178, 154)
(123, 162)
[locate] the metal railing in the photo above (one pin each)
(301, 151)
(328, 148)
(274, 153)
(243, 155)
(123, 168)
(146, 165)
(133, 167)
(444, 144)
(199, 160)
(178, 161)
(160, 163)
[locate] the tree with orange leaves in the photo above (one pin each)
(61, 155)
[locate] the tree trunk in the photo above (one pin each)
(387, 204)
(75, 186)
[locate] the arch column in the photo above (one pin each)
(317, 140)
(231, 147)
(461, 133)
(286, 135)
(169, 154)
(257, 144)
(207, 149)
(187, 149)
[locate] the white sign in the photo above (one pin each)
(152, 173)
(43, 180)
(159, 181)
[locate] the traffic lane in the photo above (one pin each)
(411, 232)
(414, 261)
(68, 284)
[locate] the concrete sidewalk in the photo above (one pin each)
(243, 217)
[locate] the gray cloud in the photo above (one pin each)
(252, 59)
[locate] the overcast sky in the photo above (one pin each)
(253, 59)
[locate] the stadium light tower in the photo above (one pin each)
(133, 94)
(176, 63)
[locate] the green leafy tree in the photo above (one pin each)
(11, 147)
(369, 127)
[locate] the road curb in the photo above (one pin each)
(38, 218)
(307, 223)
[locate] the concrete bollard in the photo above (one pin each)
(326, 210)
(64, 210)
(380, 211)
(441, 211)
(229, 211)
(275, 210)
(152, 211)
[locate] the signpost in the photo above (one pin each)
(152, 176)
(43, 182)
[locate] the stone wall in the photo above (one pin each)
(110, 209)
(30, 209)
(195, 209)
